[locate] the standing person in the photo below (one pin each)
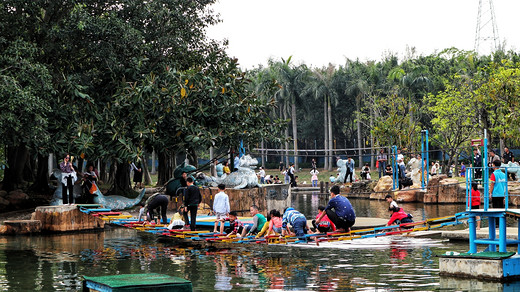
(350, 169)
(291, 175)
(382, 158)
(477, 162)
(138, 175)
(261, 173)
(258, 222)
(433, 170)
(314, 177)
(475, 200)
(236, 162)
(155, 202)
(339, 210)
(192, 199)
(68, 178)
(313, 163)
(462, 170)
(508, 156)
(281, 166)
(221, 207)
(296, 220)
(400, 156)
(286, 176)
(89, 184)
(493, 157)
(497, 186)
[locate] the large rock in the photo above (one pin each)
(383, 187)
(432, 190)
(450, 191)
(384, 184)
(64, 218)
(513, 189)
(405, 196)
(17, 197)
(3, 194)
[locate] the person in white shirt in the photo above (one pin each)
(261, 173)
(221, 207)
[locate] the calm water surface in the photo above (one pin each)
(56, 263)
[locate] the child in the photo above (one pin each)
(332, 178)
(236, 227)
(325, 224)
(475, 200)
(391, 201)
(462, 170)
(220, 207)
(399, 216)
(314, 178)
(275, 224)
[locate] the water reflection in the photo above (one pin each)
(57, 263)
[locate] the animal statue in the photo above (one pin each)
(342, 169)
(414, 171)
(512, 167)
(175, 182)
(244, 177)
(112, 202)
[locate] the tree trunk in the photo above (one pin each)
(331, 148)
(212, 168)
(326, 138)
(122, 185)
(153, 162)
(295, 135)
(146, 174)
(358, 114)
(286, 137)
(372, 152)
(166, 168)
(41, 183)
(13, 174)
(29, 168)
(263, 154)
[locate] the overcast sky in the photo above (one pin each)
(319, 32)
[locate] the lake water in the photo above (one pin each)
(57, 262)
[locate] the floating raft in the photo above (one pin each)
(204, 238)
(136, 282)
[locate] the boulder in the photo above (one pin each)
(384, 184)
(4, 203)
(17, 197)
(3, 194)
(405, 196)
(450, 191)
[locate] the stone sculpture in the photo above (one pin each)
(342, 169)
(512, 167)
(244, 177)
(175, 182)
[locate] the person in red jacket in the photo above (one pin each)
(475, 200)
(325, 225)
(399, 216)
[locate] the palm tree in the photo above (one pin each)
(292, 81)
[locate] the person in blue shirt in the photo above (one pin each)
(339, 210)
(296, 220)
(497, 186)
(350, 170)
